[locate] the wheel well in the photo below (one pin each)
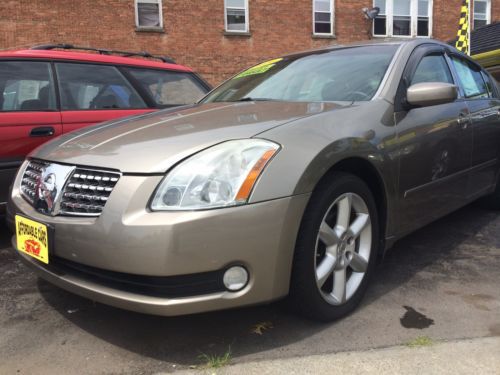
(364, 170)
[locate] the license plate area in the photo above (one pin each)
(33, 238)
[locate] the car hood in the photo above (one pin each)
(154, 142)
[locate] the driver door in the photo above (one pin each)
(435, 145)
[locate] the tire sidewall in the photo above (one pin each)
(303, 286)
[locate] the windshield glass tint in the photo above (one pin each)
(348, 74)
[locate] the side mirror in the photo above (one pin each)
(431, 93)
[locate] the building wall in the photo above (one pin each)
(194, 30)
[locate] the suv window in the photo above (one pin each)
(470, 78)
(169, 88)
(86, 86)
(26, 86)
(432, 68)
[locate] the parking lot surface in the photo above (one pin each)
(440, 283)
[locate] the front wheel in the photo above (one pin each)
(336, 248)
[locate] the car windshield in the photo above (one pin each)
(344, 74)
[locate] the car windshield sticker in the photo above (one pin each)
(259, 69)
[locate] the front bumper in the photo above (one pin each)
(129, 239)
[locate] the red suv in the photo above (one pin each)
(47, 91)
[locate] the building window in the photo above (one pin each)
(380, 22)
(423, 18)
(401, 21)
(323, 17)
(403, 18)
(236, 16)
(482, 13)
(148, 14)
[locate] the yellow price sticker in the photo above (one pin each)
(259, 69)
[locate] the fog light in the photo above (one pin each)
(235, 278)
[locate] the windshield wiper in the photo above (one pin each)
(250, 99)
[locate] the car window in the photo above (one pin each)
(470, 78)
(342, 74)
(86, 86)
(432, 68)
(169, 88)
(26, 86)
(489, 84)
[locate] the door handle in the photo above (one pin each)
(463, 120)
(42, 131)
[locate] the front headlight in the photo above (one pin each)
(222, 175)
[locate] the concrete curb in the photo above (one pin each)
(472, 356)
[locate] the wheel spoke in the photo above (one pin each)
(360, 223)
(328, 235)
(358, 263)
(344, 211)
(339, 285)
(325, 269)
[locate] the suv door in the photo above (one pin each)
(484, 106)
(28, 114)
(435, 144)
(92, 93)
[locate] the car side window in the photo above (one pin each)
(470, 78)
(489, 85)
(26, 86)
(87, 86)
(432, 68)
(167, 87)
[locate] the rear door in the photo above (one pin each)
(28, 114)
(92, 93)
(484, 106)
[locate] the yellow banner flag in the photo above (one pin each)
(463, 42)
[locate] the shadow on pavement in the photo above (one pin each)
(5, 234)
(180, 339)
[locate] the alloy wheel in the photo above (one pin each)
(343, 247)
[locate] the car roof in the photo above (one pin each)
(91, 57)
(410, 43)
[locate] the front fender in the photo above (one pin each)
(313, 146)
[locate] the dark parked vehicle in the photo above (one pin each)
(46, 91)
(288, 179)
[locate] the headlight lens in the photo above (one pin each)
(222, 175)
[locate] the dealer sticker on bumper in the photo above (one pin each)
(32, 238)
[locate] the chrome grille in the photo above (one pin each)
(87, 191)
(31, 176)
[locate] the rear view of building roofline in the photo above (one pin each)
(218, 38)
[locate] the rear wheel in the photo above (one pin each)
(336, 248)
(492, 201)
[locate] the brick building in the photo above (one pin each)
(220, 37)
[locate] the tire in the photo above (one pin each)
(492, 201)
(315, 250)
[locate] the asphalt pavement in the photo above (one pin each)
(439, 284)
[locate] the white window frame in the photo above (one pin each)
(389, 19)
(332, 19)
(488, 12)
(247, 20)
(160, 11)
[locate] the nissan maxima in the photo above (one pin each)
(288, 180)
